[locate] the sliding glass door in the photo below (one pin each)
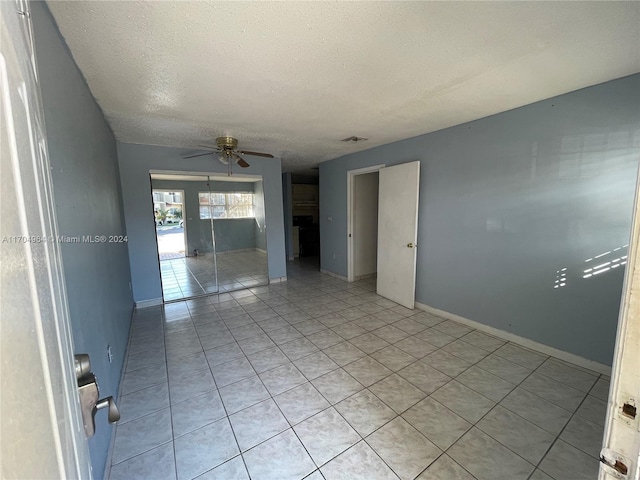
(222, 228)
(236, 210)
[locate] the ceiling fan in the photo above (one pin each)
(227, 154)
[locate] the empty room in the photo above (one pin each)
(313, 240)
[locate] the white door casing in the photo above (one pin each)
(622, 429)
(41, 429)
(365, 225)
(398, 232)
(351, 216)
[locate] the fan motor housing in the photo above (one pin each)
(227, 143)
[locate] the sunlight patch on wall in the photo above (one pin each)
(606, 261)
(561, 278)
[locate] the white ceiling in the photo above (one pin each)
(294, 78)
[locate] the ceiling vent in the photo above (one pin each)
(354, 139)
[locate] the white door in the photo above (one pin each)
(41, 425)
(398, 232)
(622, 431)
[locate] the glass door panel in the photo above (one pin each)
(191, 272)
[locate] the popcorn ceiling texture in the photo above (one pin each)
(293, 78)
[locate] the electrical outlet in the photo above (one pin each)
(109, 353)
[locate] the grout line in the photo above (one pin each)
(218, 393)
(487, 413)
(555, 440)
(166, 358)
(148, 414)
(310, 290)
(556, 437)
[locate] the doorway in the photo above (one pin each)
(362, 213)
(382, 216)
(168, 213)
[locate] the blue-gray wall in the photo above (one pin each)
(85, 176)
(234, 234)
(135, 163)
(231, 234)
(509, 200)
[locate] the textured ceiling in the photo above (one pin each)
(294, 78)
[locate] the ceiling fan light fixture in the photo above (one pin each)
(226, 152)
(354, 138)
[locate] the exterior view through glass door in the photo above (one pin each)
(167, 213)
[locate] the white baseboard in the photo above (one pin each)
(334, 275)
(277, 280)
(363, 277)
(239, 250)
(118, 393)
(525, 342)
(152, 302)
(261, 250)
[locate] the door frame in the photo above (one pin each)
(621, 440)
(351, 174)
(37, 337)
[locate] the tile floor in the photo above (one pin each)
(187, 277)
(320, 379)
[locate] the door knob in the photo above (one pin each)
(82, 364)
(89, 396)
(411, 245)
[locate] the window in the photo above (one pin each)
(225, 205)
(167, 197)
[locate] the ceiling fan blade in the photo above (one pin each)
(198, 155)
(239, 160)
(209, 146)
(255, 154)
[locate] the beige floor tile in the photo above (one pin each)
(407, 458)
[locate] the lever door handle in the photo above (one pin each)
(411, 245)
(89, 395)
(114, 413)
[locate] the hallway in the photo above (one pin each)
(318, 378)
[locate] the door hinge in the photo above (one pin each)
(614, 464)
